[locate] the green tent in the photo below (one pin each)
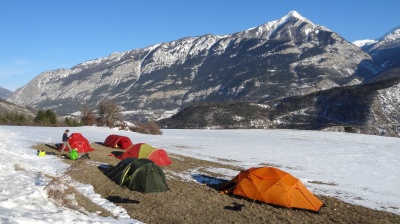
(139, 175)
(115, 173)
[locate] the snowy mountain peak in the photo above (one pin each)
(361, 43)
(393, 34)
(390, 40)
(290, 26)
(295, 14)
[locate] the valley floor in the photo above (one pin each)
(194, 196)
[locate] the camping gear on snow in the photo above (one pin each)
(117, 141)
(85, 156)
(73, 155)
(274, 186)
(138, 175)
(76, 140)
(41, 153)
(143, 150)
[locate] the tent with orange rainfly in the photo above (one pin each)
(274, 186)
(143, 150)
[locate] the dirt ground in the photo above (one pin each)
(196, 202)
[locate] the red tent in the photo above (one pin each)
(76, 140)
(117, 141)
(143, 150)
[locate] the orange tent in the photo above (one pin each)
(274, 186)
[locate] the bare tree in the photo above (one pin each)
(88, 117)
(109, 113)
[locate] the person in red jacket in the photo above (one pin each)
(65, 141)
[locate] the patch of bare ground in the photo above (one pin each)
(189, 201)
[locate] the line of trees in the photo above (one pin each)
(42, 118)
(13, 118)
(107, 114)
(46, 118)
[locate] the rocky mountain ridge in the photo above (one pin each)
(10, 108)
(385, 51)
(287, 57)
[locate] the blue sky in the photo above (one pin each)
(43, 35)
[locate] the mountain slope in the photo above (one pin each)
(370, 108)
(287, 57)
(4, 93)
(9, 108)
(386, 50)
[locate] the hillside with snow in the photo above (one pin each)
(289, 56)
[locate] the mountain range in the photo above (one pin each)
(4, 93)
(286, 59)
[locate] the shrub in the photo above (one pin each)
(150, 127)
(350, 129)
(46, 118)
(71, 122)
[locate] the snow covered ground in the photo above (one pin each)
(360, 169)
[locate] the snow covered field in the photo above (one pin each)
(360, 169)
